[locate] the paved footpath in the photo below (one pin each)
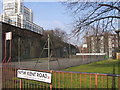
(54, 64)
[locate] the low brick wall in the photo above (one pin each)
(89, 56)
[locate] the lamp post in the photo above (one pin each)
(48, 52)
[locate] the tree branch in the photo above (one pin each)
(111, 6)
(101, 19)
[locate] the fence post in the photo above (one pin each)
(50, 86)
(118, 82)
(96, 81)
(20, 84)
(51, 79)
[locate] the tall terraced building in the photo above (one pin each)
(17, 14)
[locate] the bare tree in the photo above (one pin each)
(58, 36)
(61, 34)
(100, 15)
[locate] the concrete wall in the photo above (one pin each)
(25, 44)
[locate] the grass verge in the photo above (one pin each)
(107, 66)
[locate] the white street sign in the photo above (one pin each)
(9, 36)
(35, 75)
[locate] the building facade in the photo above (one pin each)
(105, 43)
(17, 14)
